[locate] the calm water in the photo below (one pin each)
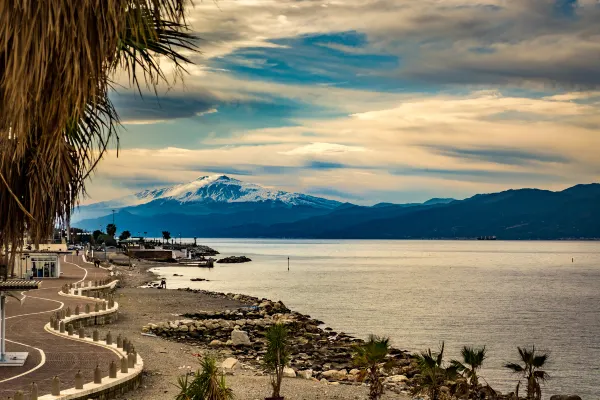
(493, 293)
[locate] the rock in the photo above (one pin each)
(240, 338)
(216, 343)
(234, 260)
(183, 328)
(229, 363)
(323, 380)
(334, 374)
(396, 379)
(289, 372)
(444, 389)
(306, 374)
(565, 397)
(354, 371)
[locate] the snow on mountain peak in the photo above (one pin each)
(223, 189)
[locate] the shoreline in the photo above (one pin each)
(167, 359)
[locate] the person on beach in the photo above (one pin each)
(163, 283)
(77, 252)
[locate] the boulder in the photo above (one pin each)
(215, 343)
(289, 372)
(229, 363)
(565, 397)
(396, 379)
(334, 374)
(240, 338)
(306, 374)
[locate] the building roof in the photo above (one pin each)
(19, 284)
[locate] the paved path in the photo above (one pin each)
(50, 355)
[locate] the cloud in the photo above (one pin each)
(506, 156)
(134, 109)
(548, 42)
(323, 149)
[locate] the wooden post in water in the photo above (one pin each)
(288, 263)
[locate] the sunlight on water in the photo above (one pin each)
(501, 294)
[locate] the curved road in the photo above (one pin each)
(50, 355)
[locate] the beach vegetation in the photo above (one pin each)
(111, 230)
(433, 373)
(371, 358)
(471, 363)
(124, 235)
(277, 356)
(206, 384)
(530, 368)
(96, 234)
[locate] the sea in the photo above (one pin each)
(498, 294)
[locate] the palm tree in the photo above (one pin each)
(57, 119)
(166, 236)
(371, 357)
(206, 385)
(531, 371)
(472, 361)
(124, 235)
(111, 229)
(277, 356)
(433, 373)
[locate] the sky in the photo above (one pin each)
(372, 101)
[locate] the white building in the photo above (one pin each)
(37, 265)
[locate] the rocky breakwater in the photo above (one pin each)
(316, 353)
(234, 260)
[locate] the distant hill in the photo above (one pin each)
(224, 207)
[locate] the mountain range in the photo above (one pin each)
(220, 206)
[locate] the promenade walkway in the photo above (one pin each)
(50, 355)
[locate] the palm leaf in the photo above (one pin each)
(514, 367)
(57, 119)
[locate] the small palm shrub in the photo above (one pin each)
(370, 357)
(207, 384)
(472, 361)
(277, 356)
(530, 369)
(433, 374)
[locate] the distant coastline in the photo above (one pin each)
(224, 207)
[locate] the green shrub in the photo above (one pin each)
(207, 384)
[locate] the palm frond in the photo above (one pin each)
(460, 367)
(57, 119)
(514, 367)
(541, 375)
(539, 361)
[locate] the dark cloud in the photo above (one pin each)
(505, 156)
(133, 107)
(480, 175)
(553, 42)
(326, 165)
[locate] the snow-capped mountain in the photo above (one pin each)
(202, 191)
